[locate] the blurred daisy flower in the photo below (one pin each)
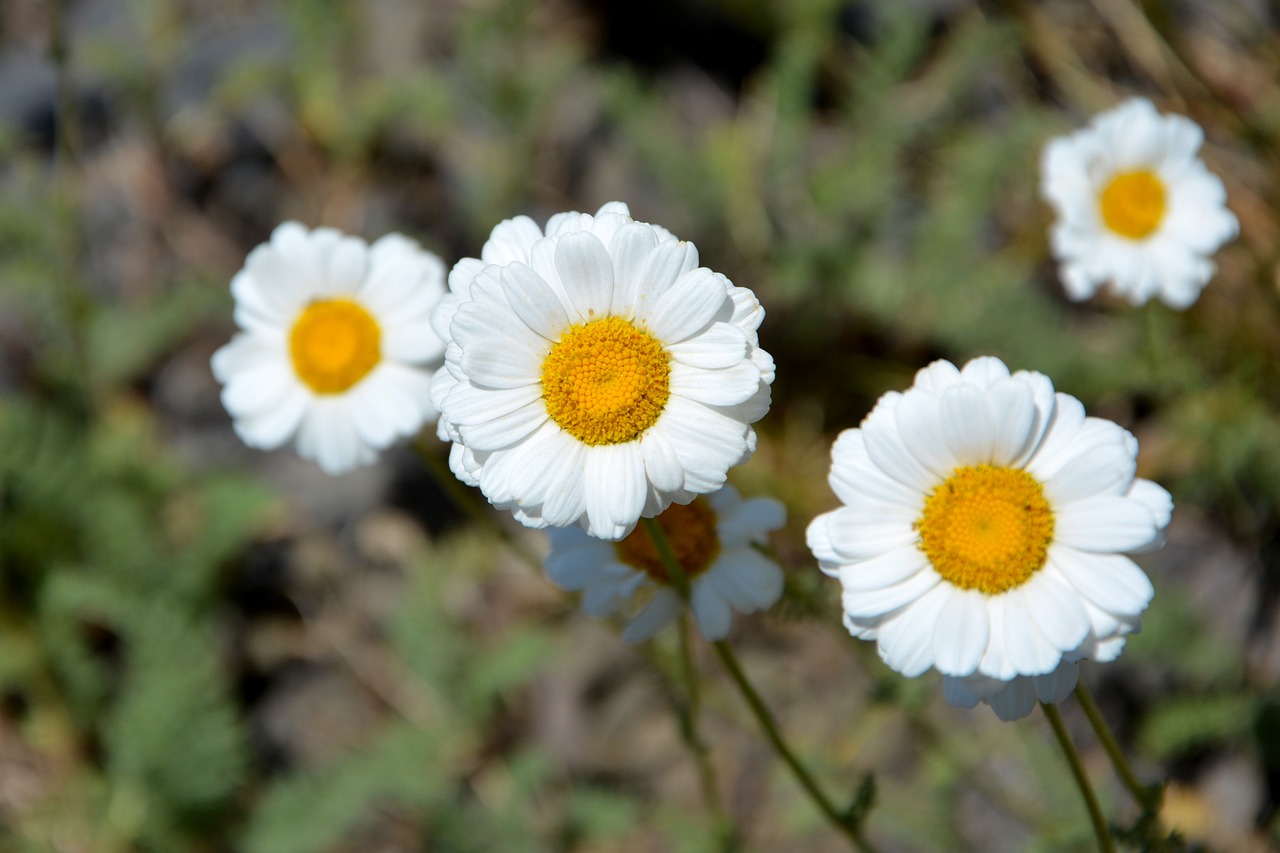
(595, 373)
(337, 347)
(710, 537)
(1136, 207)
(981, 534)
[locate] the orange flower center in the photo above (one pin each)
(334, 344)
(691, 530)
(606, 381)
(1133, 203)
(987, 528)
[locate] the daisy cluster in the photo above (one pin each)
(589, 373)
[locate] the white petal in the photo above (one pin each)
(710, 609)
(468, 404)
(751, 521)
(1015, 416)
(970, 424)
(906, 642)
(863, 534)
(720, 345)
(1025, 647)
(919, 419)
(505, 430)
(1105, 523)
(688, 306)
(663, 608)
(879, 602)
(1155, 498)
(1113, 582)
(960, 634)
(511, 240)
(614, 486)
(664, 266)
(758, 581)
(276, 424)
(1056, 609)
(534, 301)
(586, 271)
(854, 477)
(630, 249)
(500, 367)
(885, 570)
(661, 462)
(1015, 701)
(726, 387)
(258, 389)
(886, 450)
(1105, 471)
(984, 371)
(1058, 684)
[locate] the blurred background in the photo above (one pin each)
(208, 648)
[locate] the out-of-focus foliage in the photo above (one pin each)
(206, 648)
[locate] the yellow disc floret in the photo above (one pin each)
(1133, 203)
(606, 381)
(334, 344)
(690, 529)
(987, 528)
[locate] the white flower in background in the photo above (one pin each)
(1137, 209)
(711, 539)
(981, 533)
(337, 347)
(595, 373)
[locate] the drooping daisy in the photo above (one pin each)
(982, 533)
(337, 347)
(1137, 209)
(595, 373)
(710, 537)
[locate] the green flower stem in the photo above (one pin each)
(1146, 797)
(845, 823)
(464, 499)
(669, 562)
(689, 712)
(689, 731)
(1105, 844)
(849, 824)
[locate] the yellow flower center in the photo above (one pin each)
(334, 344)
(691, 530)
(987, 528)
(605, 381)
(1133, 203)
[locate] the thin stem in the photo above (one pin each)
(1149, 800)
(688, 710)
(675, 571)
(464, 499)
(689, 729)
(1105, 844)
(773, 734)
(66, 231)
(847, 823)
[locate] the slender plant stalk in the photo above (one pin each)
(464, 499)
(690, 709)
(1146, 798)
(66, 229)
(692, 736)
(1105, 844)
(848, 824)
(773, 734)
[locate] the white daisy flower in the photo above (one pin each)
(595, 373)
(337, 347)
(981, 534)
(710, 537)
(1137, 209)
